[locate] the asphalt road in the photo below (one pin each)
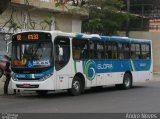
(143, 97)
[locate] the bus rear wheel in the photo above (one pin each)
(76, 86)
(42, 92)
(127, 82)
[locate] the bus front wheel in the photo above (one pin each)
(76, 86)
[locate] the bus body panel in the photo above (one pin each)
(65, 76)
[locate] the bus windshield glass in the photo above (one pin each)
(32, 55)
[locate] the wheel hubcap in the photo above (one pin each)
(127, 82)
(76, 85)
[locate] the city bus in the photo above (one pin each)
(45, 61)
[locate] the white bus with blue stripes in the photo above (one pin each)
(45, 61)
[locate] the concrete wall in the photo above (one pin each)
(67, 23)
(63, 23)
(155, 37)
(76, 25)
(35, 20)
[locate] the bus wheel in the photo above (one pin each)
(42, 92)
(76, 86)
(127, 81)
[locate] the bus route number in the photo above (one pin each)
(33, 36)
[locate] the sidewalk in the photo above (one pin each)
(156, 77)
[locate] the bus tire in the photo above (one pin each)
(76, 86)
(42, 92)
(127, 81)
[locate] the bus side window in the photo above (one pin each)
(114, 50)
(62, 52)
(100, 50)
(108, 50)
(80, 49)
(135, 51)
(75, 49)
(138, 51)
(92, 50)
(123, 50)
(84, 49)
(145, 51)
(120, 50)
(126, 48)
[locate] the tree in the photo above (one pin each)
(3, 5)
(17, 20)
(105, 17)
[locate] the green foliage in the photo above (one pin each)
(105, 17)
(47, 22)
(3, 5)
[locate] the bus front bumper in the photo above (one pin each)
(34, 85)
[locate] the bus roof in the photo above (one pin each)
(93, 36)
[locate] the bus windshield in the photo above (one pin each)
(32, 55)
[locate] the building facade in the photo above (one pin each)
(148, 25)
(23, 15)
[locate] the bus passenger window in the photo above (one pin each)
(123, 51)
(100, 50)
(126, 51)
(135, 51)
(92, 50)
(114, 51)
(62, 52)
(80, 49)
(76, 54)
(108, 50)
(145, 51)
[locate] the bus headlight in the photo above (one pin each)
(13, 75)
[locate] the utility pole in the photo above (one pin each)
(128, 21)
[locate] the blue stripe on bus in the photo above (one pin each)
(37, 76)
(105, 66)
